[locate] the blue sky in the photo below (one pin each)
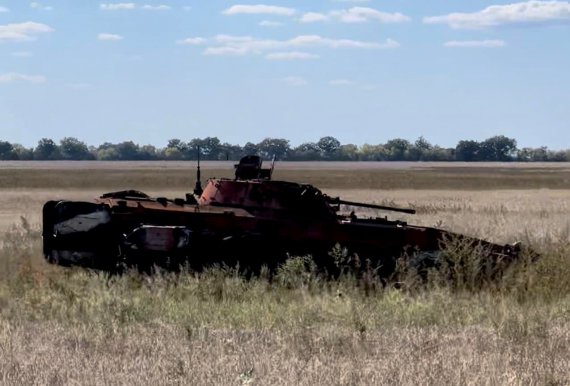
(362, 71)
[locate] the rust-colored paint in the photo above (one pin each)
(250, 219)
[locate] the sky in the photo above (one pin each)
(361, 71)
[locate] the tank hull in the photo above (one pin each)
(120, 230)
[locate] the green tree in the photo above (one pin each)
(397, 149)
(46, 149)
(73, 149)
(230, 152)
(210, 148)
(148, 152)
(348, 152)
(23, 153)
(498, 148)
(306, 152)
(107, 153)
(373, 153)
(420, 150)
(173, 154)
(127, 151)
(328, 146)
(467, 151)
(277, 147)
(7, 151)
(250, 149)
(176, 143)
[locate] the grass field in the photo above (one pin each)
(61, 326)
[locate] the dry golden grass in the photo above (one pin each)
(345, 175)
(60, 326)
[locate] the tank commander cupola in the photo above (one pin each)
(249, 168)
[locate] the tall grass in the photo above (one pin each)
(297, 327)
(456, 325)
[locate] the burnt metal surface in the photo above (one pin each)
(250, 220)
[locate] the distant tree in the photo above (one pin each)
(173, 154)
(306, 152)
(397, 149)
(373, 153)
(328, 146)
(277, 147)
(7, 151)
(210, 148)
(250, 149)
(148, 153)
(348, 152)
(422, 144)
(557, 156)
(498, 148)
(23, 153)
(440, 154)
(106, 145)
(178, 145)
(467, 151)
(528, 154)
(108, 153)
(420, 150)
(46, 149)
(230, 152)
(73, 149)
(128, 151)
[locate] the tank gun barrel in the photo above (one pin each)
(373, 206)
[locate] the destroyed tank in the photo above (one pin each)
(250, 221)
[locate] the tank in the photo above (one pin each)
(250, 220)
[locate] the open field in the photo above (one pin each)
(326, 175)
(61, 326)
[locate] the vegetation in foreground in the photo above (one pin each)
(74, 326)
(62, 326)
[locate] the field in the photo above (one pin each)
(67, 326)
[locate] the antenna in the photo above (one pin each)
(272, 166)
(198, 187)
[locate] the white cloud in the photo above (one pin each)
(259, 9)
(475, 43)
(109, 37)
(117, 6)
(133, 6)
(192, 41)
(296, 81)
(242, 45)
(4, 9)
(161, 7)
(355, 15)
(22, 32)
(22, 54)
(270, 23)
(294, 55)
(225, 51)
(341, 82)
(40, 7)
(312, 17)
(187, 8)
(529, 12)
(17, 77)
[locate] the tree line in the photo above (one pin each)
(497, 148)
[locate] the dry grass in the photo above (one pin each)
(61, 326)
(50, 353)
(339, 175)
